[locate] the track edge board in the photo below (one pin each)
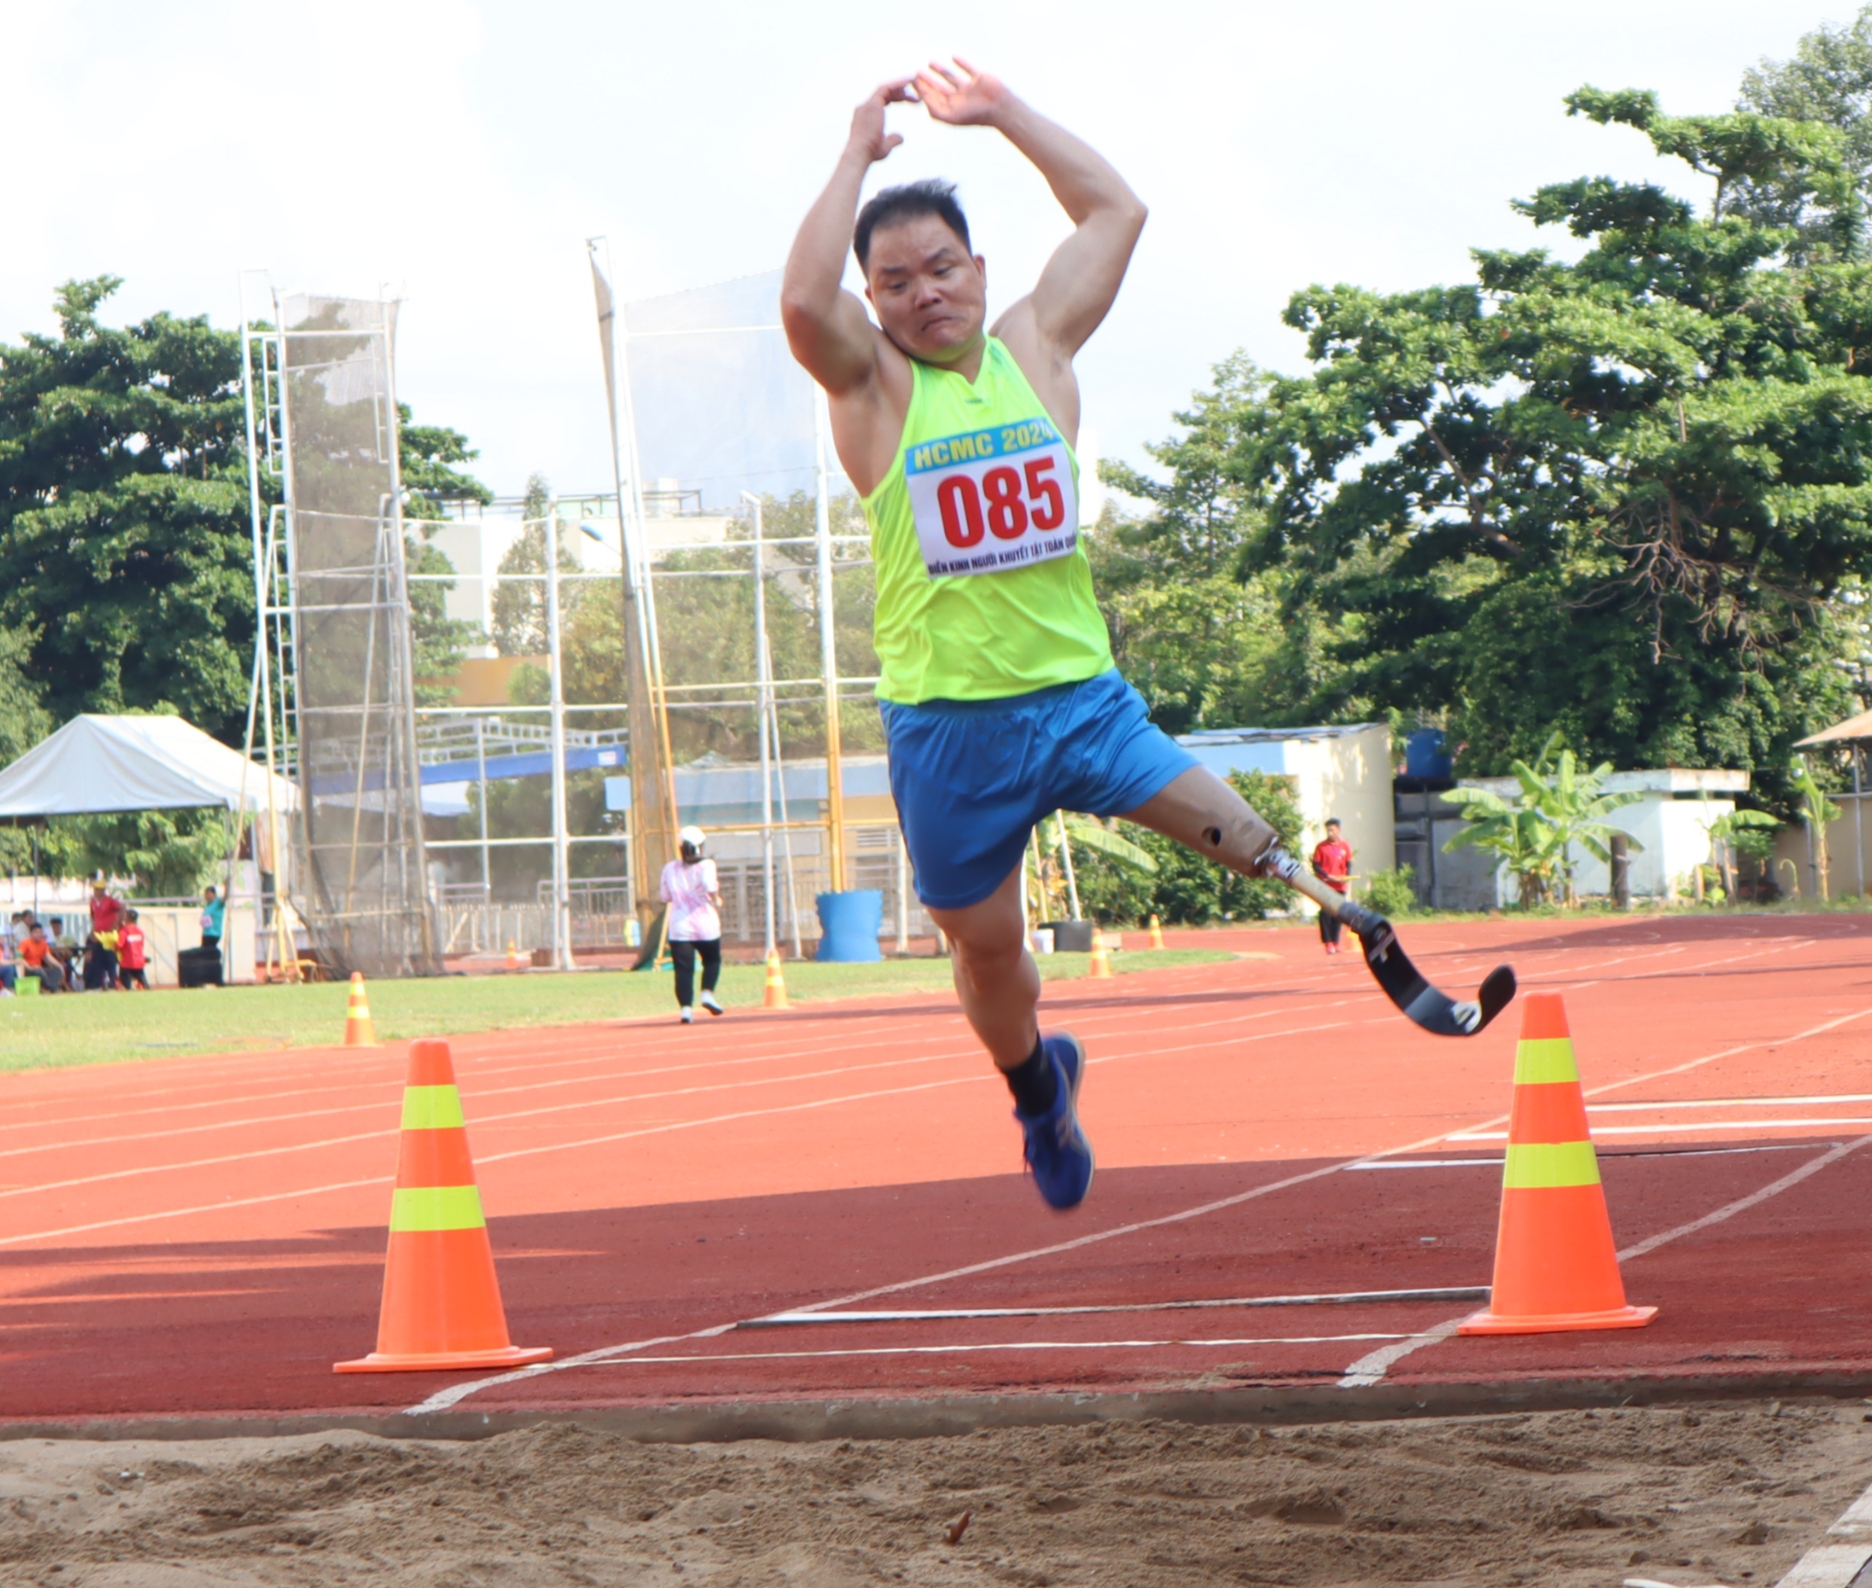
(805, 1421)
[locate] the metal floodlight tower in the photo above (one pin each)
(364, 888)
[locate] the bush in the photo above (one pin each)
(1187, 889)
(1392, 893)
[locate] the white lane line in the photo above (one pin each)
(1371, 1368)
(973, 1078)
(1742, 1204)
(663, 1128)
(998, 1345)
(454, 1394)
(443, 1399)
(1704, 1125)
(1089, 1031)
(775, 1320)
(1837, 1564)
(1733, 1102)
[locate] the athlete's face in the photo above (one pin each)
(931, 296)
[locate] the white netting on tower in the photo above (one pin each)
(365, 899)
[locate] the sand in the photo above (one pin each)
(1725, 1494)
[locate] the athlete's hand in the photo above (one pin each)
(867, 129)
(961, 94)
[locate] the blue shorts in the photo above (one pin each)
(971, 777)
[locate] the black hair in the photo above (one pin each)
(892, 205)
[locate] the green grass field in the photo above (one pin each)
(108, 1028)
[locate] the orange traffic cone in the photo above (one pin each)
(441, 1299)
(775, 995)
(515, 959)
(358, 1030)
(1555, 1265)
(1101, 956)
(1156, 932)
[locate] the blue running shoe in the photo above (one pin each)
(1057, 1151)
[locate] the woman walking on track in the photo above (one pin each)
(693, 893)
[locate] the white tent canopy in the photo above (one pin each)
(97, 764)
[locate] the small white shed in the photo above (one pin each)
(1337, 771)
(1672, 821)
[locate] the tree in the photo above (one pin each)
(125, 550)
(1185, 887)
(429, 459)
(1624, 497)
(126, 553)
(520, 603)
(1827, 81)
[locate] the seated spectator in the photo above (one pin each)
(37, 960)
(132, 954)
(100, 966)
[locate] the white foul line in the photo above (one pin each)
(1371, 1368)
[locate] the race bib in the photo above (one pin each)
(989, 500)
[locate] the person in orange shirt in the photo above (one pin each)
(36, 956)
(1332, 864)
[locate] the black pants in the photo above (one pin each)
(1330, 927)
(129, 976)
(684, 954)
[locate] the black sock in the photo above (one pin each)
(1033, 1084)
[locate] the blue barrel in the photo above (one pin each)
(1424, 755)
(848, 925)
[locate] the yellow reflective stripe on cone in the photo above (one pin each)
(436, 1207)
(1541, 1165)
(432, 1108)
(1540, 1061)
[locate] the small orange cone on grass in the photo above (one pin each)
(1156, 932)
(441, 1298)
(515, 959)
(774, 996)
(358, 1030)
(1101, 956)
(1555, 1265)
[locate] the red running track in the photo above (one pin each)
(191, 1237)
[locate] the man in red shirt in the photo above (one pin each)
(106, 912)
(1332, 864)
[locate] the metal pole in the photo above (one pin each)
(1072, 881)
(555, 674)
(487, 869)
(763, 705)
(903, 895)
(1858, 817)
(786, 824)
(828, 649)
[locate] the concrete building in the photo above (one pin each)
(1671, 820)
(1336, 771)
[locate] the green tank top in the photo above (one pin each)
(983, 590)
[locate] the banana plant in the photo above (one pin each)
(1817, 810)
(1559, 807)
(1056, 889)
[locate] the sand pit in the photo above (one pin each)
(1725, 1494)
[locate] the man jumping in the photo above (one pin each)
(1000, 698)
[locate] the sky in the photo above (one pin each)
(457, 154)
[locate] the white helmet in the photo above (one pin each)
(694, 837)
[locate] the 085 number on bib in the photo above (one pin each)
(989, 500)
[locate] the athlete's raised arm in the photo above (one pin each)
(1080, 282)
(826, 326)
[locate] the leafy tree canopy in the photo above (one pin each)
(1626, 497)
